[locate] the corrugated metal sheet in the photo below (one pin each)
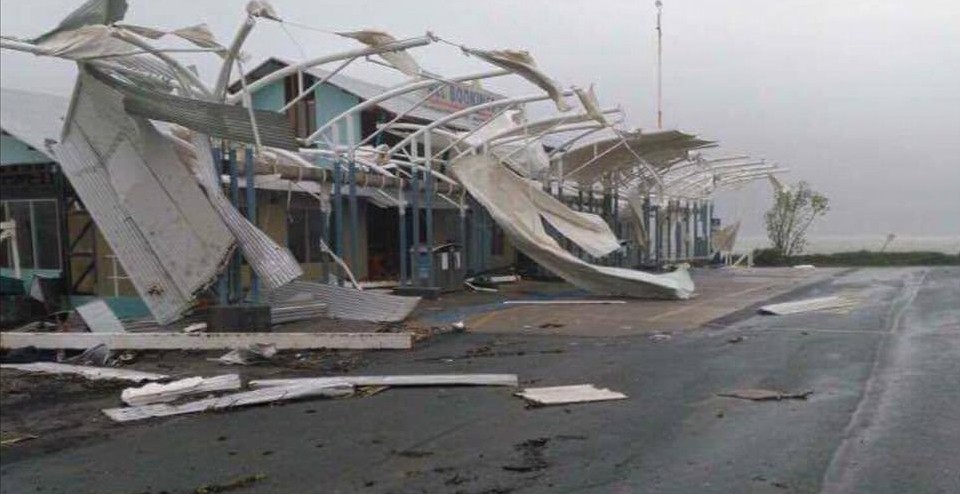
(214, 119)
(33, 118)
(348, 303)
(274, 264)
(148, 206)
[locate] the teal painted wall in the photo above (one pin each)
(270, 97)
(332, 101)
(15, 152)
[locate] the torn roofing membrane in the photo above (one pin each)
(508, 199)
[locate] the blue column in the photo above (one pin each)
(428, 204)
(337, 212)
(415, 211)
(354, 218)
(402, 220)
(251, 191)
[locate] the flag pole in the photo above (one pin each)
(659, 5)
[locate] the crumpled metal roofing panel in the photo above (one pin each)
(148, 206)
(214, 119)
(348, 303)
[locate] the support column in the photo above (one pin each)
(235, 282)
(251, 190)
(415, 211)
(428, 204)
(338, 212)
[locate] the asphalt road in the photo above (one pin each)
(884, 416)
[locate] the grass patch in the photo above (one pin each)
(767, 257)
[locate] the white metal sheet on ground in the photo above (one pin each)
(89, 372)
(808, 305)
(145, 202)
(506, 197)
(207, 341)
(246, 398)
(559, 395)
(411, 380)
(99, 318)
(347, 303)
(165, 393)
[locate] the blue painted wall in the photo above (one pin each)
(15, 152)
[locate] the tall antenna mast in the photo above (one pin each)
(659, 5)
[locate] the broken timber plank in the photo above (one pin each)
(560, 395)
(89, 372)
(207, 341)
(164, 393)
(246, 398)
(411, 380)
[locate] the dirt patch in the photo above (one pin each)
(531, 456)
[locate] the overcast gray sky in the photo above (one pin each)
(859, 97)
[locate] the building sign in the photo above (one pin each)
(453, 98)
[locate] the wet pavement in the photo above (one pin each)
(883, 416)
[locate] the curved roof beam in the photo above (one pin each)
(467, 111)
(279, 74)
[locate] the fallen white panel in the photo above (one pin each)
(247, 398)
(808, 305)
(506, 197)
(347, 303)
(165, 393)
(146, 204)
(93, 373)
(413, 380)
(563, 302)
(99, 318)
(559, 395)
(207, 341)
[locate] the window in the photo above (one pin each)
(302, 115)
(38, 233)
(304, 229)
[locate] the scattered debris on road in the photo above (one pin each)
(89, 372)
(410, 380)
(808, 305)
(255, 353)
(232, 485)
(755, 394)
(19, 439)
(195, 327)
(736, 339)
(560, 395)
(660, 337)
(246, 398)
(563, 302)
(207, 341)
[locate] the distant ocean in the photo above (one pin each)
(830, 244)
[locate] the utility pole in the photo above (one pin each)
(659, 5)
